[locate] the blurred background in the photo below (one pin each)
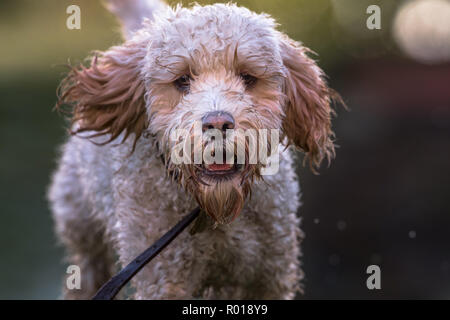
(383, 201)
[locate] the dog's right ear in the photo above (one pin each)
(107, 97)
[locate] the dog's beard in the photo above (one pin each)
(222, 200)
(221, 197)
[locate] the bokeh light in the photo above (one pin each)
(422, 30)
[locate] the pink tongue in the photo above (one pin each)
(219, 167)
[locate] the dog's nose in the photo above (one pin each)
(218, 120)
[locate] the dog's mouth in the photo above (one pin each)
(221, 170)
(220, 187)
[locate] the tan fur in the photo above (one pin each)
(307, 121)
(108, 97)
(117, 177)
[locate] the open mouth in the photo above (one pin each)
(221, 169)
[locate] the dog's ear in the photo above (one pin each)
(108, 96)
(307, 121)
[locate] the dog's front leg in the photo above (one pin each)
(174, 273)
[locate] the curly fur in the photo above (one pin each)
(117, 189)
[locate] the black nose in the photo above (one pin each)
(220, 120)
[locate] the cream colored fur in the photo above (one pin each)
(108, 199)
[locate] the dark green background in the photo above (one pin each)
(391, 174)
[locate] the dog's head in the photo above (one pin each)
(222, 69)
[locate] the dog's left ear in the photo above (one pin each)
(307, 121)
(107, 98)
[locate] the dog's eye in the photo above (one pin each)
(248, 79)
(183, 83)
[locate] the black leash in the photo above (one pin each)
(111, 288)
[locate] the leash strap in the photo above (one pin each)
(111, 288)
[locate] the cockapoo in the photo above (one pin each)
(117, 188)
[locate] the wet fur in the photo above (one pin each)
(116, 190)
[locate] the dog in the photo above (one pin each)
(117, 188)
